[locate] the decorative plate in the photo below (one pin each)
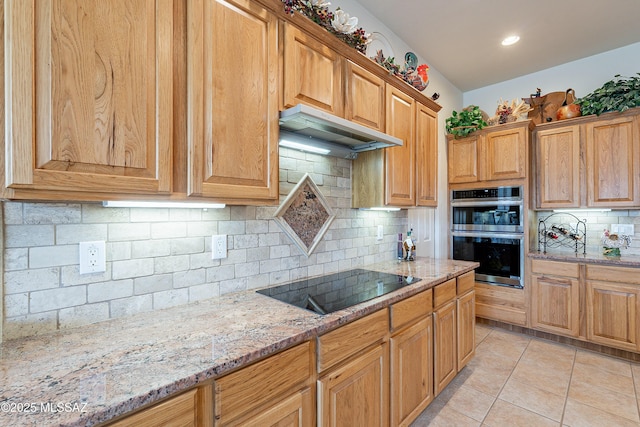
(305, 215)
(379, 42)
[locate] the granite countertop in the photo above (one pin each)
(85, 376)
(591, 257)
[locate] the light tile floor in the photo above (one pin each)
(517, 380)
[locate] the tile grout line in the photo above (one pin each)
(505, 383)
(635, 389)
(566, 395)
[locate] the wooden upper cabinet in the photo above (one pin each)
(232, 107)
(311, 74)
(613, 162)
(463, 159)
(364, 100)
(558, 168)
(88, 96)
(498, 153)
(400, 161)
(505, 154)
(426, 156)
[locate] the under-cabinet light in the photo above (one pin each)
(147, 204)
(303, 147)
(380, 209)
(582, 210)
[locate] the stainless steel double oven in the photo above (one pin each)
(487, 226)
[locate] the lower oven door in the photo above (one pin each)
(501, 256)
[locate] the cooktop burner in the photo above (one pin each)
(326, 294)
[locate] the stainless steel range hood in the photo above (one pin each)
(310, 127)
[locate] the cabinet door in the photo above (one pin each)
(555, 304)
(311, 73)
(294, 411)
(364, 101)
(411, 372)
(613, 162)
(612, 314)
(504, 154)
(426, 156)
(466, 345)
(356, 394)
(232, 100)
(444, 349)
(463, 159)
(89, 96)
(400, 161)
(558, 168)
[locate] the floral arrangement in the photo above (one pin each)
(338, 23)
(509, 112)
(611, 243)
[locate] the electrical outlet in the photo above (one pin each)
(625, 229)
(380, 234)
(218, 246)
(92, 257)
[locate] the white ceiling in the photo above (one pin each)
(461, 38)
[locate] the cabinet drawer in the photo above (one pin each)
(341, 343)
(466, 282)
(555, 268)
(610, 273)
(181, 410)
(444, 293)
(256, 384)
(405, 311)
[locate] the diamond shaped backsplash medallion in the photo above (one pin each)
(305, 215)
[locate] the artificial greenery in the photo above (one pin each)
(467, 121)
(619, 94)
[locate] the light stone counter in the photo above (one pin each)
(591, 257)
(89, 375)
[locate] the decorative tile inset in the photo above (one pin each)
(305, 216)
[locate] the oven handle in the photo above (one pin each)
(497, 235)
(485, 202)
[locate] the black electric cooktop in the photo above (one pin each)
(326, 294)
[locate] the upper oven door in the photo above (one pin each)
(493, 216)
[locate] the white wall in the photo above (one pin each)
(583, 76)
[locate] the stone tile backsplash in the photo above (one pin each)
(158, 258)
(596, 222)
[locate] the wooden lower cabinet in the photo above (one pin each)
(411, 372)
(555, 297)
(592, 302)
(356, 393)
(466, 312)
(445, 340)
(613, 313)
(411, 357)
(278, 385)
(191, 408)
(295, 411)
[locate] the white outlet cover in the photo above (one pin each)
(92, 257)
(218, 246)
(625, 229)
(380, 234)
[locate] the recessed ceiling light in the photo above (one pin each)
(510, 40)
